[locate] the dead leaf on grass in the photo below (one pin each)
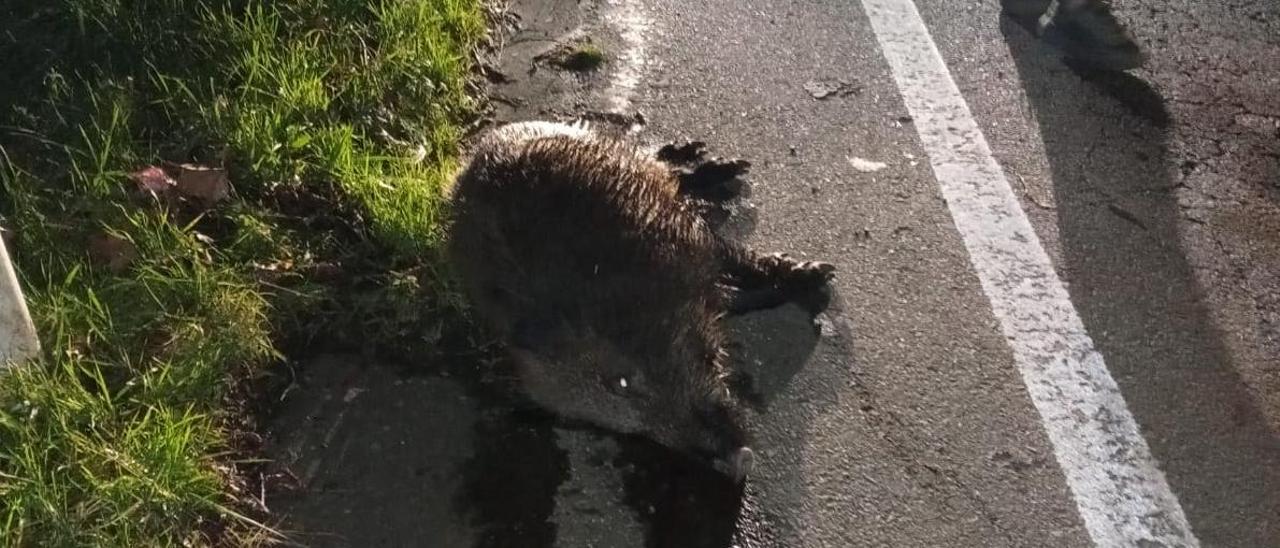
(209, 185)
(112, 251)
(153, 180)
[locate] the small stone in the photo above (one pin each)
(866, 166)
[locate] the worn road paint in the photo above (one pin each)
(18, 340)
(628, 19)
(1121, 494)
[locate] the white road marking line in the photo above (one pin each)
(632, 25)
(1121, 494)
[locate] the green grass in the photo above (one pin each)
(337, 122)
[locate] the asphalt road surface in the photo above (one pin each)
(1128, 395)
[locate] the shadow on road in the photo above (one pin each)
(385, 457)
(1118, 218)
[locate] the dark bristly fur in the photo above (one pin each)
(583, 257)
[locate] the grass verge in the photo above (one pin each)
(321, 132)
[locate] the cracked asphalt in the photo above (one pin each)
(896, 417)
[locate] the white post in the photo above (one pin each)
(18, 342)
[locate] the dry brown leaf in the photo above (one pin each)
(153, 179)
(209, 185)
(325, 271)
(822, 89)
(112, 251)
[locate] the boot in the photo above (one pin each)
(1087, 32)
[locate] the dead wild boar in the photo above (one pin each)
(606, 286)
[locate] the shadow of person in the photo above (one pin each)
(1118, 222)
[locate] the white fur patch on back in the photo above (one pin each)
(520, 132)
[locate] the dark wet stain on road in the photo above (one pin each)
(510, 482)
(681, 502)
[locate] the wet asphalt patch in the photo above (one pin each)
(510, 482)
